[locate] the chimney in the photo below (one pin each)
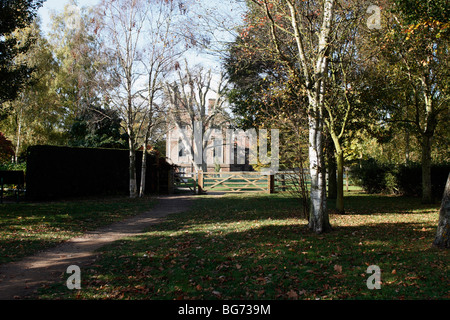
(211, 103)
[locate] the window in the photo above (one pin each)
(181, 151)
(217, 148)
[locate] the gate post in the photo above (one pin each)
(171, 181)
(200, 182)
(270, 183)
(194, 177)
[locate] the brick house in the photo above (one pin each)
(223, 152)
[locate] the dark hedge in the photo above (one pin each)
(376, 177)
(65, 172)
(409, 179)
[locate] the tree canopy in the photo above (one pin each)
(14, 14)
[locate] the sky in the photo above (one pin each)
(229, 7)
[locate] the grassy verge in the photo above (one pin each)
(256, 247)
(26, 228)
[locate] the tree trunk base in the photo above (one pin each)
(442, 245)
(443, 241)
(324, 228)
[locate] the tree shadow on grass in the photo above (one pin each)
(363, 204)
(254, 207)
(256, 247)
(269, 261)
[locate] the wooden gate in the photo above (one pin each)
(185, 182)
(235, 182)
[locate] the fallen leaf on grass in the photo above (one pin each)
(292, 294)
(338, 268)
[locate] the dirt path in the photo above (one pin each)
(19, 280)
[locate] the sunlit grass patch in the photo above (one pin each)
(258, 247)
(26, 228)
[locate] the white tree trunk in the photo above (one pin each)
(143, 169)
(442, 239)
(318, 217)
(18, 138)
(132, 166)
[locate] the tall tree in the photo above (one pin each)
(164, 46)
(344, 112)
(415, 48)
(14, 14)
(82, 78)
(299, 35)
(27, 122)
(122, 26)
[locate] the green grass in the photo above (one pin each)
(255, 246)
(26, 228)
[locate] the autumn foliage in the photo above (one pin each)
(6, 148)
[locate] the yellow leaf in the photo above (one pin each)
(338, 268)
(292, 294)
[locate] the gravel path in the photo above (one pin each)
(20, 280)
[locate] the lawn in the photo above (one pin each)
(255, 246)
(26, 228)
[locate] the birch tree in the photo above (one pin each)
(122, 26)
(163, 47)
(305, 28)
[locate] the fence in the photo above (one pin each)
(288, 181)
(15, 178)
(244, 181)
(186, 182)
(236, 181)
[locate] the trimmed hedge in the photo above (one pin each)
(375, 177)
(64, 172)
(409, 179)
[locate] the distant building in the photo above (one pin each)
(219, 154)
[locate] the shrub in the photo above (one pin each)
(390, 182)
(375, 177)
(12, 166)
(371, 176)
